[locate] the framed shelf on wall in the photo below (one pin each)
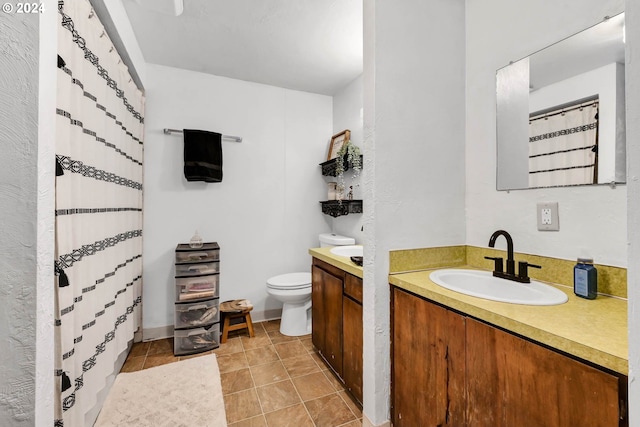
(329, 167)
(336, 208)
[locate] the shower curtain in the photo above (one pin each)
(99, 149)
(563, 147)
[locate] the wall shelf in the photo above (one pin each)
(329, 167)
(336, 208)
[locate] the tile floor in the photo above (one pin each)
(269, 380)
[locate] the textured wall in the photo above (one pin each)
(18, 139)
(414, 155)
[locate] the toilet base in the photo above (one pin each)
(296, 319)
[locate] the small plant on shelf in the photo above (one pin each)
(353, 159)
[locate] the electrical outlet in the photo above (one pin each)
(547, 214)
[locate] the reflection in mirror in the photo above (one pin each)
(560, 116)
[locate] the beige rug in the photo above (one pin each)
(186, 393)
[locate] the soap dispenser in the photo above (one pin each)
(585, 279)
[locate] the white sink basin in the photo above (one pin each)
(483, 284)
(347, 251)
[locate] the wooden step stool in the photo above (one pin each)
(236, 309)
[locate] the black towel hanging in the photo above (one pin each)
(202, 155)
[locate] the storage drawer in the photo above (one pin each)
(187, 341)
(197, 256)
(353, 287)
(197, 288)
(196, 314)
(199, 269)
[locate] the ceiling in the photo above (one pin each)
(308, 45)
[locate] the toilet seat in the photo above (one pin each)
(290, 281)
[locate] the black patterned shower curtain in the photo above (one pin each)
(563, 146)
(99, 154)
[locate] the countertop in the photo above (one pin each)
(341, 262)
(593, 330)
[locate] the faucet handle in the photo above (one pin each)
(497, 267)
(523, 271)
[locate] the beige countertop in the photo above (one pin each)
(594, 330)
(341, 262)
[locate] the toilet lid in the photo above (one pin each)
(290, 281)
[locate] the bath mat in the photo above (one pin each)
(186, 393)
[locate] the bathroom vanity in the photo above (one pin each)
(337, 316)
(464, 361)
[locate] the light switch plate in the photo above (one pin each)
(547, 214)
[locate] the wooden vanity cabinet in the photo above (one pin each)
(428, 369)
(452, 370)
(336, 329)
(326, 310)
(352, 336)
(514, 382)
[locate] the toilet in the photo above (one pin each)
(294, 291)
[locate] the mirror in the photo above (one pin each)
(560, 117)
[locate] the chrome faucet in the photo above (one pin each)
(510, 274)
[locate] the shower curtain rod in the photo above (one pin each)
(578, 106)
(168, 131)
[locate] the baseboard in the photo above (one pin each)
(367, 423)
(262, 316)
(151, 334)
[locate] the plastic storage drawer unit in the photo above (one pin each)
(186, 270)
(196, 314)
(188, 341)
(207, 253)
(196, 319)
(196, 288)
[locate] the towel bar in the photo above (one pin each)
(168, 131)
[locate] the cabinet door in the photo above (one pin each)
(513, 382)
(352, 346)
(317, 309)
(428, 363)
(327, 329)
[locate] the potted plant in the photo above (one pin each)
(348, 157)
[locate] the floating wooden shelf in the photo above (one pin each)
(336, 208)
(329, 167)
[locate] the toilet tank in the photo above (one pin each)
(331, 239)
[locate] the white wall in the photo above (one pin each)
(593, 219)
(414, 155)
(347, 114)
(264, 214)
(604, 82)
(632, 18)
